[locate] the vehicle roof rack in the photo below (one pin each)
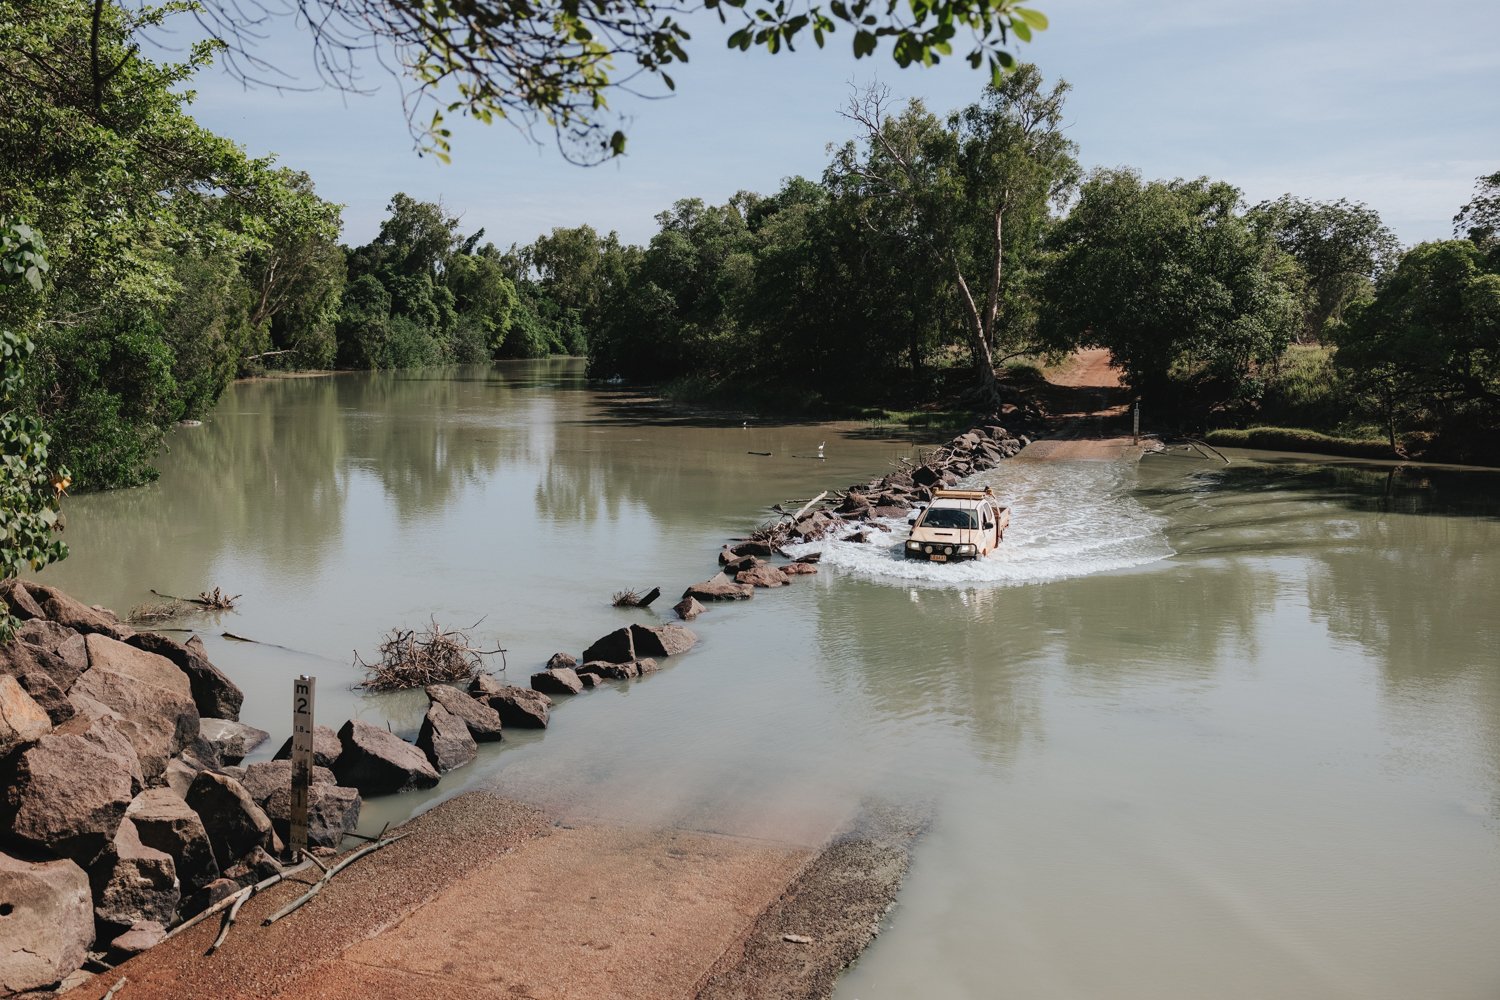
(963, 494)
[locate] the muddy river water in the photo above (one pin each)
(1200, 730)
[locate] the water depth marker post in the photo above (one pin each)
(303, 689)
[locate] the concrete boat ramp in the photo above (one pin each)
(1111, 449)
(489, 899)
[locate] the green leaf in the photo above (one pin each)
(1033, 18)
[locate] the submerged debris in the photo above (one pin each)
(217, 600)
(214, 600)
(154, 614)
(634, 599)
(411, 658)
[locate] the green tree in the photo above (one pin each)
(974, 196)
(28, 496)
(295, 268)
(1189, 299)
(1479, 220)
(485, 299)
(165, 234)
(1342, 247)
(1430, 339)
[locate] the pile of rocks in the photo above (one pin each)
(851, 516)
(623, 654)
(121, 809)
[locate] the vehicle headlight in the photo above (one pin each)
(965, 548)
(927, 549)
(914, 545)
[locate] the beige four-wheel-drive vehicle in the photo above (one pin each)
(958, 524)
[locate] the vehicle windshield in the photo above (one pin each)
(949, 517)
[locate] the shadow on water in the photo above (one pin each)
(1385, 489)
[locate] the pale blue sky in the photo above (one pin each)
(1392, 104)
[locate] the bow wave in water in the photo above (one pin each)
(1068, 519)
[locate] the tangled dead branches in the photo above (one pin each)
(634, 599)
(417, 657)
(154, 614)
(217, 600)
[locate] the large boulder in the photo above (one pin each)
(613, 648)
(326, 747)
(753, 547)
(332, 810)
(235, 824)
(65, 796)
(73, 613)
(610, 671)
(559, 661)
(45, 692)
(101, 727)
(563, 680)
(445, 739)
(16, 599)
(62, 642)
(719, 588)
(265, 778)
(763, 576)
(688, 608)
(133, 882)
(48, 922)
(148, 692)
(380, 763)
(216, 696)
(22, 720)
(661, 640)
(798, 569)
(518, 706)
(18, 659)
(483, 721)
(741, 563)
(165, 822)
(232, 741)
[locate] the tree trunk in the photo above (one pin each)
(986, 391)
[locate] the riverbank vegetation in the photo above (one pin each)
(933, 252)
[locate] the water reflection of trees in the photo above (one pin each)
(260, 477)
(979, 657)
(424, 435)
(1420, 595)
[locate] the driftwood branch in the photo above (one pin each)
(297, 903)
(808, 506)
(117, 987)
(230, 917)
(229, 900)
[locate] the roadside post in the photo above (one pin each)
(303, 689)
(1135, 431)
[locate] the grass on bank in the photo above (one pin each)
(1301, 440)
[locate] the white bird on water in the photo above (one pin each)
(820, 448)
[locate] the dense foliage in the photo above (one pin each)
(932, 250)
(29, 483)
(1191, 301)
